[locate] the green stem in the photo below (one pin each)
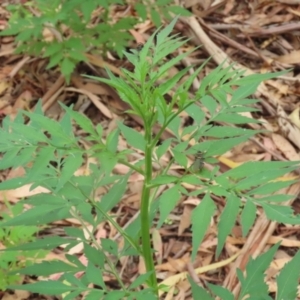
(130, 166)
(111, 220)
(165, 125)
(145, 222)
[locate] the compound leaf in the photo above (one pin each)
(253, 283)
(288, 279)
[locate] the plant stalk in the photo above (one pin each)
(145, 221)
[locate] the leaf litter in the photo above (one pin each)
(259, 36)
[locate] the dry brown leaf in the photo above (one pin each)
(170, 294)
(243, 157)
(291, 130)
(228, 162)
(285, 147)
(22, 101)
(48, 35)
(22, 192)
(95, 100)
(157, 245)
(17, 295)
(179, 264)
(295, 117)
(173, 280)
(137, 36)
(291, 58)
(4, 85)
(141, 266)
(173, 265)
(284, 242)
(185, 220)
(269, 144)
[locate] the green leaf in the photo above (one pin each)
(53, 48)
(74, 232)
(180, 158)
(72, 295)
(133, 138)
(112, 140)
(221, 292)
(243, 92)
(271, 187)
(67, 66)
(39, 215)
(29, 133)
(107, 161)
(227, 131)
(14, 183)
(94, 295)
(47, 243)
(73, 280)
(167, 85)
(280, 213)
(178, 10)
(94, 275)
(53, 127)
(210, 104)
(172, 62)
(219, 147)
(288, 279)
(248, 216)
(164, 179)
(162, 149)
(114, 195)
(201, 218)
(40, 163)
(234, 119)
(87, 10)
(196, 113)
(253, 180)
(25, 156)
(48, 287)
(167, 202)
(253, 283)
(109, 246)
(199, 292)
(227, 221)
(94, 256)
(9, 158)
(71, 164)
(47, 268)
(55, 60)
(115, 295)
(174, 126)
(141, 9)
(254, 78)
(146, 294)
(139, 281)
(163, 34)
(256, 167)
(84, 122)
(274, 198)
(66, 124)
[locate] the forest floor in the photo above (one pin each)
(260, 36)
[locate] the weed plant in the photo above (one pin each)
(50, 153)
(63, 30)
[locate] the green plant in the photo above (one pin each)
(64, 30)
(50, 154)
(11, 237)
